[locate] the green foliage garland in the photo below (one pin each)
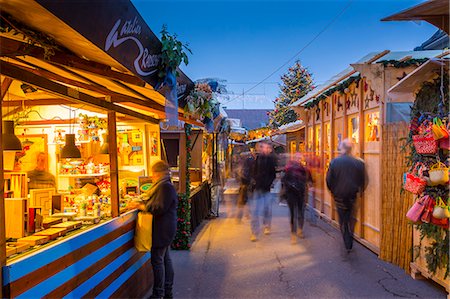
(341, 88)
(405, 63)
(201, 101)
(183, 235)
(296, 83)
(428, 101)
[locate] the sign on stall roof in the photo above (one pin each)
(118, 29)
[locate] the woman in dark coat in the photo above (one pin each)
(162, 204)
(294, 191)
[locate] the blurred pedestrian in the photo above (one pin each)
(245, 189)
(263, 174)
(294, 187)
(162, 204)
(346, 177)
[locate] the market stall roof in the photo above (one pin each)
(95, 61)
(407, 87)
(291, 127)
(372, 58)
(277, 139)
(435, 12)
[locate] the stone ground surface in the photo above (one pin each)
(223, 263)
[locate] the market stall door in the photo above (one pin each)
(372, 202)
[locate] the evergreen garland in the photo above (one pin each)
(183, 235)
(296, 83)
(405, 63)
(428, 100)
(341, 88)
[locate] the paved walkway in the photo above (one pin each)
(223, 263)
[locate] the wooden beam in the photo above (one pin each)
(47, 122)
(13, 48)
(15, 72)
(2, 193)
(98, 89)
(113, 164)
(4, 87)
(39, 102)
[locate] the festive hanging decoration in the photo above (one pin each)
(341, 88)
(201, 101)
(183, 235)
(405, 63)
(428, 106)
(296, 83)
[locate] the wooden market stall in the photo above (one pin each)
(63, 80)
(423, 86)
(354, 104)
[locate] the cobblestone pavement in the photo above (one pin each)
(223, 263)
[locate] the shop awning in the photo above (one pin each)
(405, 89)
(435, 12)
(291, 127)
(91, 65)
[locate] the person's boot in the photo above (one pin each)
(300, 233)
(293, 238)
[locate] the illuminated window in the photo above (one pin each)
(293, 147)
(353, 129)
(372, 127)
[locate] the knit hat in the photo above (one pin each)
(160, 166)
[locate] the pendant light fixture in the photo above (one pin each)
(70, 150)
(10, 141)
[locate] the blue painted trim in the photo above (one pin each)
(73, 270)
(92, 282)
(116, 284)
(41, 258)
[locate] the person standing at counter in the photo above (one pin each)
(40, 177)
(162, 204)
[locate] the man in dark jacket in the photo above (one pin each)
(244, 177)
(263, 175)
(346, 177)
(162, 204)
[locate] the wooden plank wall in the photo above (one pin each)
(396, 235)
(100, 262)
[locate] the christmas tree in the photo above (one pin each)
(296, 83)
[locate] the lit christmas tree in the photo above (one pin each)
(296, 83)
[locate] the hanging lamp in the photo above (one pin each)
(70, 150)
(10, 141)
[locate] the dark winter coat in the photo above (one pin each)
(162, 204)
(264, 172)
(294, 182)
(346, 177)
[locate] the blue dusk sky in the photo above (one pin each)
(243, 42)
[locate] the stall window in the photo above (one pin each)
(310, 139)
(318, 143)
(353, 129)
(338, 133)
(372, 127)
(293, 147)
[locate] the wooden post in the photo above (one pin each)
(361, 149)
(114, 165)
(3, 89)
(182, 163)
(331, 146)
(322, 157)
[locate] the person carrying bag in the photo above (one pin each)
(159, 216)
